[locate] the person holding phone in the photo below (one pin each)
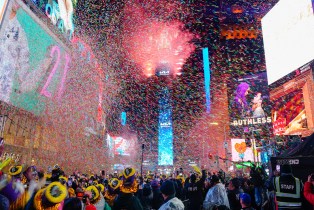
(308, 186)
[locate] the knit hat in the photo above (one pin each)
(167, 188)
(155, 184)
(246, 198)
(286, 168)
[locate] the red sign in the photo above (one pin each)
(279, 126)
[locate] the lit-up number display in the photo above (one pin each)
(56, 52)
(35, 65)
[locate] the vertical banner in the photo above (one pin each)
(249, 105)
(165, 133)
(33, 61)
(206, 64)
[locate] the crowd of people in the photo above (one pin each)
(29, 188)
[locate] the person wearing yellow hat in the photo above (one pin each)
(113, 191)
(126, 199)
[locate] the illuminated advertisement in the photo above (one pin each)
(3, 6)
(288, 37)
(33, 62)
(165, 132)
(242, 153)
(60, 13)
(289, 114)
(123, 147)
(249, 103)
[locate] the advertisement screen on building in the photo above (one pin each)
(249, 106)
(33, 61)
(288, 37)
(123, 147)
(289, 114)
(242, 153)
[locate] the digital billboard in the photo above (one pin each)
(249, 106)
(123, 147)
(242, 153)
(33, 61)
(288, 37)
(289, 114)
(165, 132)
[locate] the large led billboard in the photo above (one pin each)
(33, 61)
(288, 37)
(165, 132)
(249, 106)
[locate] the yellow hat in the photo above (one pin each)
(95, 193)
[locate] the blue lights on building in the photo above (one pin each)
(165, 133)
(206, 77)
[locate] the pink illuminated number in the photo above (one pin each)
(65, 70)
(44, 91)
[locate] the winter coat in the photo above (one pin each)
(127, 201)
(172, 204)
(234, 199)
(308, 194)
(158, 200)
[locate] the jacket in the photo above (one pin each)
(172, 204)
(288, 192)
(308, 194)
(127, 201)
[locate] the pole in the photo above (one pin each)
(226, 146)
(142, 160)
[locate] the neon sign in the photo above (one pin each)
(61, 15)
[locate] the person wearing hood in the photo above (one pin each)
(170, 201)
(216, 195)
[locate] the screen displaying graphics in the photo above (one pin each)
(289, 114)
(165, 133)
(123, 147)
(249, 103)
(288, 37)
(33, 62)
(242, 153)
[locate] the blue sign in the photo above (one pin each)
(165, 132)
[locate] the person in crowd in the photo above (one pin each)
(72, 204)
(157, 196)
(126, 198)
(195, 191)
(258, 177)
(288, 190)
(308, 189)
(234, 192)
(146, 196)
(170, 201)
(245, 200)
(216, 195)
(112, 191)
